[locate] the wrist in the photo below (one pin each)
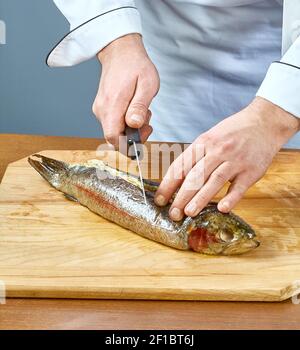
(127, 43)
(283, 124)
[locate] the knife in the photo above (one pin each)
(133, 138)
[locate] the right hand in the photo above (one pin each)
(129, 81)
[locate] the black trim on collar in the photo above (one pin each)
(82, 24)
(287, 64)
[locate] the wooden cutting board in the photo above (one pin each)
(52, 247)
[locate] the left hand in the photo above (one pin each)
(239, 149)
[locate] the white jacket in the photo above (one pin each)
(95, 23)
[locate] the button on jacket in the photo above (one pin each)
(213, 56)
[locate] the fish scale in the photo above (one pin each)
(117, 196)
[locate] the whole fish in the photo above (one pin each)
(117, 196)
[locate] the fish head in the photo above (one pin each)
(217, 233)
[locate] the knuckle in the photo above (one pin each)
(219, 177)
(239, 190)
(201, 198)
(98, 107)
(203, 137)
(193, 182)
(139, 105)
(207, 136)
(111, 136)
(103, 98)
(240, 161)
(95, 108)
(150, 79)
(227, 146)
(209, 139)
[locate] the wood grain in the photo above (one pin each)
(140, 314)
(128, 314)
(14, 146)
(51, 247)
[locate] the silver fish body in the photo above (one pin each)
(117, 196)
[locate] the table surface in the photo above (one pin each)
(128, 314)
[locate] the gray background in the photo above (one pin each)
(34, 98)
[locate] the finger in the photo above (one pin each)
(148, 117)
(113, 126)
(213, 185)
(235, 192)
(137, 112)
(110, 107)
(111, 115)
(146, 129)
(145, 132)
(193, 182)
(177, 172)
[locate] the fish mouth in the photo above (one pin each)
(240, 247)
(202, 240)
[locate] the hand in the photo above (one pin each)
(129, 81)
(239, 149)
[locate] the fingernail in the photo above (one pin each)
(224, 206)
(160, 200)
(137, 118)
(176, 214)
(191, 209)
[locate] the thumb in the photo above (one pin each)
(137, 112)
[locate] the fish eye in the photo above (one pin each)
(226, 236)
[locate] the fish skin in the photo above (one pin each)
(117, 196)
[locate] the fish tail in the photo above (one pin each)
(50, 169)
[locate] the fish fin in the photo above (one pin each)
(48, 168)
(70, 198)
(150, 186)
(52, 164)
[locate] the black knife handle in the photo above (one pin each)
(133, 135)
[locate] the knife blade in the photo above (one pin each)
(133, 138)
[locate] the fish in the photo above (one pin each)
(117, 196)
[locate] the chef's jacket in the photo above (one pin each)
(213, 56)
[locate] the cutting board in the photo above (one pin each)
(55, 248)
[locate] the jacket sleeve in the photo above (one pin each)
(282, 82)
(93, 25)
